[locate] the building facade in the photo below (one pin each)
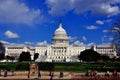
(15, 51)
(59, 50)
(106, 49)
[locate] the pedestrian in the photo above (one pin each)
(107, 73)
(39, 75)
(61, 74)
(88, 73)
(94, 73)
(115, 73)
(5, 73)
(28, 74)
(50, 73)
(51, 78)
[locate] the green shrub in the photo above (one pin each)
(46, 66)
(22, 66)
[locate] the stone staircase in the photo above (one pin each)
(42, 58)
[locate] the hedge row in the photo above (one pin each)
(25, 66)
(46, 66)
(14, 66)
(74, 67)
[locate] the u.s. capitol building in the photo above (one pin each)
(60, 50)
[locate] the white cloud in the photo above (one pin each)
(108, 20)
(5, 42)
(97, 7)
(12, 11)
(106, 31)
(59, 7)
(91, 27)
(28, 43)
(111, 38)
(105, 9)
(90, 44)
(106, 38)
(15, 44)
(84, 38)
(44, 43)
(100, 22)
(10, 34)
(72, 38)
(78, 43)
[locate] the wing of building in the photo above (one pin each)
(106, 49)
(15, 51)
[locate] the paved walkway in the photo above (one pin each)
(45, 75)
(24, 75)
(32, 77)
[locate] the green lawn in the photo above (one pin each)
(83, 67)
(72, 67)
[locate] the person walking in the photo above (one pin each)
(94, 73)
(28, 74)
(51, 78)
(61, 74)
(115, 73)
(5, 73)
(39, 75)
(107, 73)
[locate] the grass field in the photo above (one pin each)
(72, 67)
(83, 67)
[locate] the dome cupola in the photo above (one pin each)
(60, 30)
(60, 35)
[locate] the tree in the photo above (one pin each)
(25, 56)
(89, 55)
(104, 58)
(9, 57)
(2, 51)
(36, 56)
(116, 34)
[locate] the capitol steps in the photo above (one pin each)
(42, 58)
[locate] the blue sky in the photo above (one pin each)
(33, 22)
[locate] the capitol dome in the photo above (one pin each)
(60, 35)
(60, 30)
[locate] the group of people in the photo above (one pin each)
(114, 73)
(39, 75)
(94, 73)
(51, 74)
(90, 73)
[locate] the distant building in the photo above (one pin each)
(15, 51)
(106, 49)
